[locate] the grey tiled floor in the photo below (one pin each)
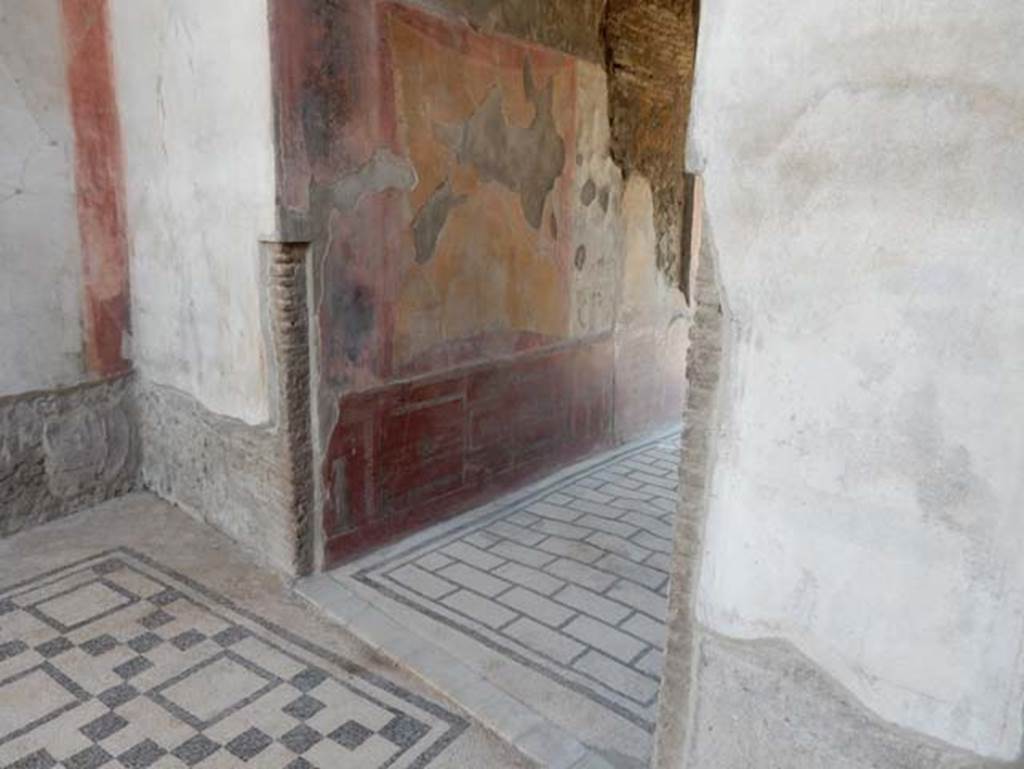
(570, 581)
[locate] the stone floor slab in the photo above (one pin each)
(565, 585)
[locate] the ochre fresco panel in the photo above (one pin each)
(488, 125)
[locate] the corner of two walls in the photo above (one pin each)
(219, 302)
(251, 481)
(68, 434)
(213, 411)
(135, 112)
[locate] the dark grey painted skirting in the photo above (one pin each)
(62, 450)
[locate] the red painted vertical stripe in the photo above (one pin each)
(99, 182)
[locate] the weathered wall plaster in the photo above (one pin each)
(864, 192)
(652, 325)
(194, 84)
(223, 384)
(40, 254)
(650, 48)
(468, 232)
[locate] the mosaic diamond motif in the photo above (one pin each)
(194, 750)
(143, 755)
(38, 760)
(103, 727)
(301, 738)
(351, 735)
(90, 758)
(118, 662)
(304, 708)
(249, 744)
(118, 695)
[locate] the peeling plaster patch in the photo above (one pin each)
(588, 193)
(384, 171)
(353, 302)
(580, 259)
(355, 308)
(431, 218)
(527, 161)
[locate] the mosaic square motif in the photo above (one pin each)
(116, 661)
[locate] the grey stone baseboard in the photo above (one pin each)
(764, 704)
(62, 450)
(230, 474)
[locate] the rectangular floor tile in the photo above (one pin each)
(606, 638)
(536, 606)
(479, 608)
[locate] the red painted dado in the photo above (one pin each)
(405, 455)
(99, 182)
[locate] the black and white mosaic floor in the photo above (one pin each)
(119, 662)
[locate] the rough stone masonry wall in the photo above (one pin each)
(62, 450)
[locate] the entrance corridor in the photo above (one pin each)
(544, 608)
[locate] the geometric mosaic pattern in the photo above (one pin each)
(118, 662)
(571, 581)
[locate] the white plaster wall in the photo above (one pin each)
(40, 258)
(193, 82)
(865, 188)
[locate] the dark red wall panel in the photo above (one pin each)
(408, 454)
